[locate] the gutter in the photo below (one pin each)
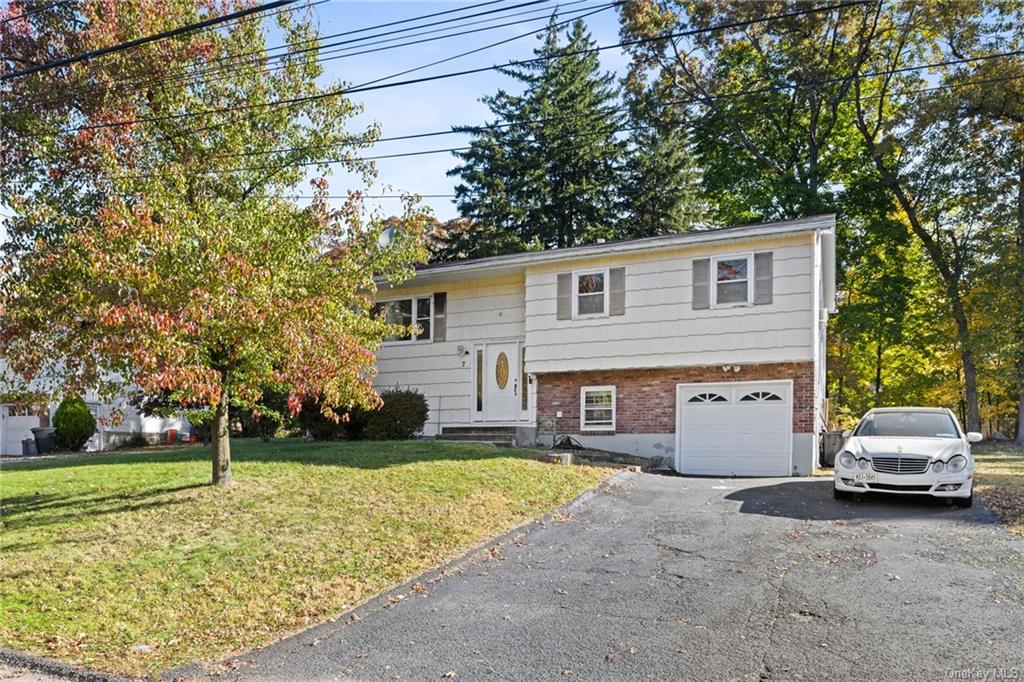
(822, 223)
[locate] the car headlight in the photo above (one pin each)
(863, 463)
(847, 460)
(938, 465)
(956, 464)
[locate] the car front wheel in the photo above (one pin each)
(964, 502)
(840, 494)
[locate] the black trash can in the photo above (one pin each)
(46, 439)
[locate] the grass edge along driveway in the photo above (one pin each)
(131, 563)
(999, 481)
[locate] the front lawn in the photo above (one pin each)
(999, 481)
(131, 563)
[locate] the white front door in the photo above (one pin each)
(501, 382)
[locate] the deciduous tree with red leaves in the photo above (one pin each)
(153, 243)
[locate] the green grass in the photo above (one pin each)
(999, 480)
(102, 554)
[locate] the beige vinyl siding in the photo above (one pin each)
(478, 310)
(660, 327)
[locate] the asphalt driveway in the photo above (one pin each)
(670, 578)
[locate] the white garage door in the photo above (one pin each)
(18, 423)
(735, 429)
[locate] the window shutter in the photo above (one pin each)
(440, 306)
(617, 291)
(701, 283)
(564, 309)
(763, 278)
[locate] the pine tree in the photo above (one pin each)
(662, 191)
(551, 172)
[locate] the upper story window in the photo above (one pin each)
(408, 312)
(591, 293)
(733, 281)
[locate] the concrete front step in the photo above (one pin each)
(509, 438)
(454, 430)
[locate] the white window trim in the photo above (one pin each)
(413, 298)
(583, 402)
(576, 274)
(713, 276)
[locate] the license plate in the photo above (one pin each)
(865, 478)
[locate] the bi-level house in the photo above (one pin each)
(705, 348)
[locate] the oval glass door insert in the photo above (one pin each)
(501, 371)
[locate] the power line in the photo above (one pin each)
(127, 45)
(35, 10)
(450, 150)
(184, 76)
(425, 79)
(690, 100)
(583, 13)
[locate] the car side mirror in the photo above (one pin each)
(847, 433)
(974, 437)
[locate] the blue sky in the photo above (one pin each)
(436, 105)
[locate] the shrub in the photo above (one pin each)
(136, 440)
(74, 424)
(319, 427)
(401, 417)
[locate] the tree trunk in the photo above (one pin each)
(878, 374)
(1020, 292)
(221, 443)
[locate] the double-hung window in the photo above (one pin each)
(733, 280)
(591, 294)
(408, 312)
(597, 408)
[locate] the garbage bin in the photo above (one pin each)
(28, 447)
(46, 439)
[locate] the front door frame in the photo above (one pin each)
(515, 364)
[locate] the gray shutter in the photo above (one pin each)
(440, 308)
(763, 278)
(617, 291)
(701, 283)
(564, 309)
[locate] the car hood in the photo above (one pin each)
(935, 448)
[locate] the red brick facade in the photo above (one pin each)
(646, 398)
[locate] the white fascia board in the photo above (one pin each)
(517, 262)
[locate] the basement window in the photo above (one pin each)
(597, 408)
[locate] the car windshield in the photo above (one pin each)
(908, 425)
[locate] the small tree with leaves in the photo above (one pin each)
(153, 244)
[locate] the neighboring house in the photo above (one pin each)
(18, 420)
(706, 348)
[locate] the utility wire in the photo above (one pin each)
(35, 10)
(455, 74)
(186, 76)
(690, 100)
(449, 150)
(127, 45)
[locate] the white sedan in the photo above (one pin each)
(907, 450)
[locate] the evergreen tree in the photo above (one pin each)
(551, 173)
(662, 192)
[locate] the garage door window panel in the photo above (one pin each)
(597, 408)
(708, 398)
(761, 397)
(733, 280)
